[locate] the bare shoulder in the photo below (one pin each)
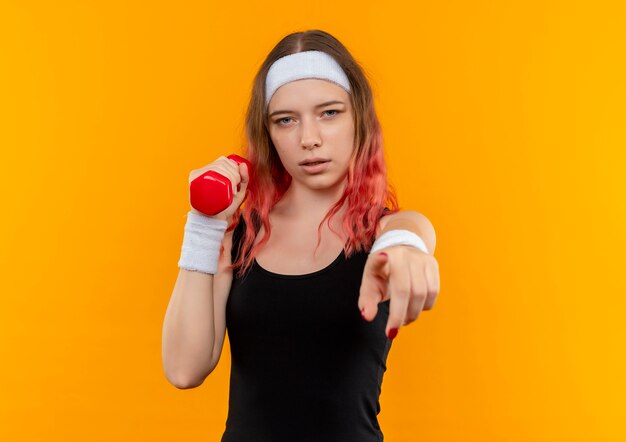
(387, 216)
(382, 222)
(411, 215)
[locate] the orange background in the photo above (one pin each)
(504, 124)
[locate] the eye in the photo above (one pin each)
(281, 119)
(333, 110)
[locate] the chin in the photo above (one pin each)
(327, 183)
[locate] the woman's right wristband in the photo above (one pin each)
(201, 243)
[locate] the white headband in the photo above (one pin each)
(307, 64)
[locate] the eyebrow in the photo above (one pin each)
(316, 107)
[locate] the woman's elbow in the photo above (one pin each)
(183, 382)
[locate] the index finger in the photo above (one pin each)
(372, 286)
(399, 292)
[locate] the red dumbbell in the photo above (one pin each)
(212, 192)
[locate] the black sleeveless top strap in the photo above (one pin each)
(304, 365)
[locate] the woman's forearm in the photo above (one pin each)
(188, 330)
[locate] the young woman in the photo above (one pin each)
(313, 276)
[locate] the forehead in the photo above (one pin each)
(306, 93)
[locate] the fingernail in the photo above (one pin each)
(393, 333)
(383, 254)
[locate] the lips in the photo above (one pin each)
(313, 161)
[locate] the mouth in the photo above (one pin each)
(315, 166)
(314, 162)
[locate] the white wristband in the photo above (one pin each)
(201, 243)
(399, 237)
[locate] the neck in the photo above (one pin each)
(304, 202)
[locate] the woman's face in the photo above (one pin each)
(312, 118)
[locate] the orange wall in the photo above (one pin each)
(504, 125)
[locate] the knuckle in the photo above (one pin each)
(420, 295)
(421, 299)
(402, 292)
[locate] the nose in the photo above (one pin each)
(310, 135)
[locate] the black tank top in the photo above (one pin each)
(304, 365)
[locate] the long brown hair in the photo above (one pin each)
(367, 192)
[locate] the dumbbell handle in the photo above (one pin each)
(212, 192)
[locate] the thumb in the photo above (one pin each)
(239, 190)
(245, 175)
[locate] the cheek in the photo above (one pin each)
(340, 134)
(286, 157)
(347, 138)
(281, 154)
(347, 130)
(282, 141)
